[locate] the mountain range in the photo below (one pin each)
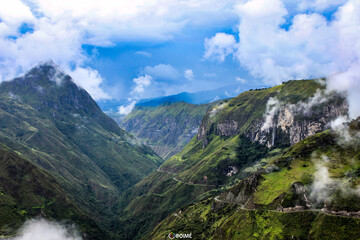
(271, 163)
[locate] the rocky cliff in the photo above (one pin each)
(278, 122)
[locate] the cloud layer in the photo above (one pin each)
(39, 30)
(275, 48)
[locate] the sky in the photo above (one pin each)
(141, 49)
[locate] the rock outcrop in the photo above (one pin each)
(279, 124)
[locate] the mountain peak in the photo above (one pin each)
(48, 69)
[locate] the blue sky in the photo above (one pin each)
(141, 49)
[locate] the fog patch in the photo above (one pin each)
(345, 135)
(318, 98)
(41, 229)
(272, 108)
(324, 189)
(321, 186)
(217, 109)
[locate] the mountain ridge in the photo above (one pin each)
(59, 128)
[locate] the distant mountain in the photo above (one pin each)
(56, 125)
(202, 97)
(167, 127)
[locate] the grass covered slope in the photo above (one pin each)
(223, 139)
(57, 126)
(308, 191)
(27, 191)
(225, 150)
(166, 128)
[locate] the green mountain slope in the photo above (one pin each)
(27, 191)
(166, 128)
(56, 125)
(309, 191)
(231, 140)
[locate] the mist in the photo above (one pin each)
(41, 229)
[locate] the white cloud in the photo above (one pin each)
(41, 229)
(90, 80)
(141, 82)
(219, 46)
(312, 46)
(109, 20)
(62, 27)
(126, 109)
(162, 71)
(241, 80)
(272, 108)
(143, 53)
(136, 93)
(319, 4)
(321, 187)
(189, 74)
(14, 12)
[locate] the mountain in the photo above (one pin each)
(234, 137)
(202, 97)
(166, 128)
(28, 191)
(55, 125)
(309, 191)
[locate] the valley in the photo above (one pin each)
(259, 162)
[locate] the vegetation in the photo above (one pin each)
(166, 128)
(59, 128)
(27, 191)
(221, 219)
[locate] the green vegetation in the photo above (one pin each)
(208, 158)
(27, 191)
(221, 219)
(59, 128)
(166, 128)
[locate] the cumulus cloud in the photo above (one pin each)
(126, 109)
(162, 72)
(141, 82)
(310, 46)
(60, 28)
(189, 74)
(219, 46)
(136, 93)
(42, 229)
(90, 80)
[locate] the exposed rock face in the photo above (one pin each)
(243, 192)
(291, 126)
(288, 124)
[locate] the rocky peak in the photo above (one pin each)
(49, 90)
